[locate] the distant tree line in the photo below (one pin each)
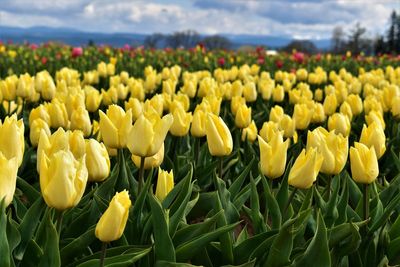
(186, 39)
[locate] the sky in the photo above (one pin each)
(300, 19)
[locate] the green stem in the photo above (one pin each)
(289, 200)
(141, 174)
(221, 165)
(329, 186)
(366, 201)
(9, 108)
(103, 254)
(59, 221)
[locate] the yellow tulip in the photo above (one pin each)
(396, 107)
(375, 116)
(58, 114)
(340, 124)
(60, 140)
(112, 223)
(80, 120)
(110, 96)
(305, 169)
(273, 155)
(333, 147)
(136, 106)
(198, 128)
(8, 178)
(44, 84)
(302, 116)
(36, 128)
(39, 112)
(318, 115)
(278, 94)
(12, 141)
(182, 120)
(345, 109)
(250, 132)
(150, 162)
(243, 117)
(374, 136)
(219, 138)
(236, 102)
(330, 104)
(276, 113)
(25, 86)
(147, 135)
(115, 126)
(318, 95)
(62, 179)
(97, 161)
(9, 88)
(288, 126)
(165, 183)
(268, 130)
(93, 99)
(363, 163)
(250, 92)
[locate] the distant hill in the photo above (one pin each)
(41, 34)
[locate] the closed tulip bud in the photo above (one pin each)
(135, 106)
(39, 112)
(250, 92)
(243, 117)
(97, 161)
(93, 99)
(250, 132)
(219, 138)
(36, 128)
(236, 102)
(74, 101)
(183, 100)
(150, 162)
(182, 120)
(374, 136)
(318, 115)
(214, 103)
(396, 107)
(268, 130)
(112, 223)
(363, 163)
(302, 116)
(345, 109)
(276, 113)
(80, 120)
(375, 116)
(165, 183)
(288, 126)
(198, 128)
(318, 95)
(189, 88)
(115, 126)
(62, 179)
(8, 178)
(273, 155)
(12, 141)
(278, 94)
(147, 135)
(305, 169)
(340, 124)
(9, 88)
(237, 88)
(333, 147)
(58, 114)
(330, 104)
(25, 86)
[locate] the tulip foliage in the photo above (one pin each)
(133, 157)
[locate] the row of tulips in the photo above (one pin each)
(238, 166)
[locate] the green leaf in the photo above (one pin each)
(238, 182)
(386, 214)
(187, 250)
(13, 235)
(126, 259)
(256, 217)
(164, 248)
(332, 213)
(172, 264)
(317, 252)
(271, 204)
(29, 191)
(51, 253)
(4, 246)
(28, 226)
(281, 249)
(193, 231)
(283, 193)
(78, 245)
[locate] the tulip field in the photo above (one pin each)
(139, 157)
